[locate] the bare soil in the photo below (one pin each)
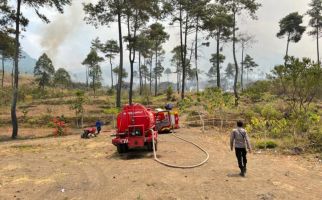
(72, 168)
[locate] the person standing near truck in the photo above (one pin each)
(98, 125)
(239, 139)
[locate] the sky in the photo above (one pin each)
(67, 39)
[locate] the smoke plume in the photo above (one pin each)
(61, 28)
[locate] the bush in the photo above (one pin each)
(169, 93)
(315, 138)
(185, 103)
(256, 90)
(249, 114)
(269, 144)
(269, 112)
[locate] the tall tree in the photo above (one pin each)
(229, 76)
(144, 47)
(315, 22)
(44, 71)
(110, 48)
(290, 26)
(104, 13)
(158, 71)
(237, 7)
(180, 12)
(137, 13)
(198, 11)
(245, 41)
(168, 72)
(176, 60)
(213, 71)
(116, 71)
(95, 73)
(7, 50)
(218, 22)
(158, 36)
(249, 64)
(145, 73)
(36, 5)
(62, 78)
(7, 43)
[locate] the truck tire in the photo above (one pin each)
(121, 148)
(150, 146)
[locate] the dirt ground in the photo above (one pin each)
(72, 168)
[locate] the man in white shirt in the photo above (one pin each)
(240, 140)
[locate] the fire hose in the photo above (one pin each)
(179, 166)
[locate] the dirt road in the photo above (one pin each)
(71, 168)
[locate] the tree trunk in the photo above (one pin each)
(196, 53)
(14, 119)
(111, 73)
(132, 56)
(131, 83)
(218, 62)
(151, 74)
(155, 72)
(178, 79)
(242, 70)
(287, 46)
(12, 73)
(94, 86)
(87, 85)
(2, 80)
(119, 85)
(181, 48)
(144, 74)
(317, 43)
(235, 60)
(140, 74)
(184, 52)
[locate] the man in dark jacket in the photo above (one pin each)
(98, 125)
(240, 140)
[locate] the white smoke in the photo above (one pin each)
(62, 27)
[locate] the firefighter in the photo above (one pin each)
(239, 139)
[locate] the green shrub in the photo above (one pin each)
(51, 124)
(169, 93)
(269, 144)
(315, 138)
(112, 111)
(269, 112)
(249, 114)
(256, 90)
(185, 103)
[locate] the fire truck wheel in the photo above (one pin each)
(150, 146)
(121, 148)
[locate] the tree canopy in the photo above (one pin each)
(44, 71)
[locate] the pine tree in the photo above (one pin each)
(44, 71)
(290, 26)
(316, 23)
(95, 73)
